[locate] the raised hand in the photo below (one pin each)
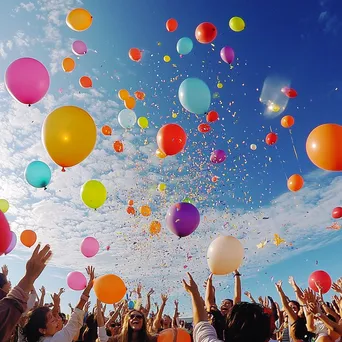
(337, 288)
(86, 306)
(138, 290)
(248, 294)
(176, 304)
(150, 293)
(42, 291)
(91, 273)
(292, 281)
(311, 301)
(164, 298)
(4, 270)
(278, 285)
(61, 291)
(56, 300)
(190, 287)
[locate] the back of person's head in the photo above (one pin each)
(248, 322)
(90, 333)
(36, 320)
(299, 330)
(3, 280)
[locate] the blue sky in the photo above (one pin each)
(291, 40)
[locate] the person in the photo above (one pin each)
(5, 285)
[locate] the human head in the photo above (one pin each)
(166, 322)
(5, 285)
(115, 328)
(134, 322)
(295, 306)
(226, 305)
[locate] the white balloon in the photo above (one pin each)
(253, 147)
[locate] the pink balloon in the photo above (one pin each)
(27, 80)
(5, 233)
(12, 244)
(76, 281)
(79, 48)
(89, 247)
(227, 54)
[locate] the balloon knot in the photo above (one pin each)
(63, 169)
(29, 105)
(45, 188)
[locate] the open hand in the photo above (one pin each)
(190, 287)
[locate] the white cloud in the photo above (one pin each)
(29, 7)
(3, 54)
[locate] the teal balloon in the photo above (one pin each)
(38, 174)
(131, 305)
(127, 118)
(184, 46)
(194, 95)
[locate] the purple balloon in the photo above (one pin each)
(12, 244)
(76, 281)
(227, 54)
(182, 219)
(218, 156)
(89, 247)
(79, 48)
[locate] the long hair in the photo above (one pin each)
(36, 319)
(90, 332)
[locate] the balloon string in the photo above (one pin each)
(281, 163)
(295, 151)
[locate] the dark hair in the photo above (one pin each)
(3, 280)
(229, 300)
(299, 330)
(295, 303)
(90, 333)
(36, 320)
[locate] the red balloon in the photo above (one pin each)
(205, 33)
(171, 25)
(212, 116)
(5, 233)
(289, 92)
(271, 138)
(322, 278)
(337, 213)
(118, 146)
(135, 54)
(171, 139)
(204, 128)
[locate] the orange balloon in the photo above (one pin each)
(118, 146)
(174, 335)
(68, 64)
(130, 102)
(171, 25)
(86, 82)
(155, 227)
(140, 95)
(324, 147)
(145, 210)
(287, 121)
(130, 202)
(295, 182)
(123, 94)
(130, 210)
(28, 238)
(135, 54)
(109, 288)
(106, 130)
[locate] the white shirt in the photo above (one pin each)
(204, 332)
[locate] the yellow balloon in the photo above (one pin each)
(123, 94)
(4, 205)
(167, 59)
(79, 19)
(162, 187)
(160, 154)
(219, 85)
(143, 122)
(237, 24)
(93, 194)
(69, 135)
(68, 64)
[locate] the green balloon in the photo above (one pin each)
(187, 200)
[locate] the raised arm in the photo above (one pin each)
(175, 315)
(209, 293)
(148, 302)
(297, 290)
(292, 315)
(249, 295)
(85, 295)
(157, 319)
(42, 296)
(115, 315)
(237, 287)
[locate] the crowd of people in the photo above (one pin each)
(26, 317)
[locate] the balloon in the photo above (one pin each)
(237, 24)
(130, 211)
(109, 288)
(68, 64)
(219, 85)
(127, 118)
(5, 233)
(323, 147)
(38, 174)
(295, 182)
(123, 94)
(289, 92)
(337, 213)
(28, 238)
(167, 59)
(135, 54)
(205, 33)
(130, 202)
(140, 95)
(27, 80)
(225, 255)
(106, 130)
(287, 121)
(143, 122)
(182, 219)
(212, 116)
(215, 179)
(79, 19)
(118, 146)
(69, 135)
(194, 95)
(218, 156)
(204, 128)
(253, 147)
(79, 48)
(155, 228)
(12, 244)
(131, 305)
(162, 187)
(271, 138)
(130, 102)
(4, 205)
(227, 54)
(86, 82)
(76, 281)
(187, 200)
(90, 247)
(160, 154)
(171, 139)
(174, 335)
(171, 25)
(322, 278)
(93, 194)
(184, 46)
(145, 210)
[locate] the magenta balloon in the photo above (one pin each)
(182, 219)
(79, 48)
(27, 80)
(218, 156)
(89, 247)
(5, 233)
(12, 244)
(76, 281)
(227, 54)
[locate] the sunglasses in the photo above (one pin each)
(136, 316)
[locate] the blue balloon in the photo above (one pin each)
(127, 118)
(194, 95)
(130, 305)
(184, 46)
(38, 174)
